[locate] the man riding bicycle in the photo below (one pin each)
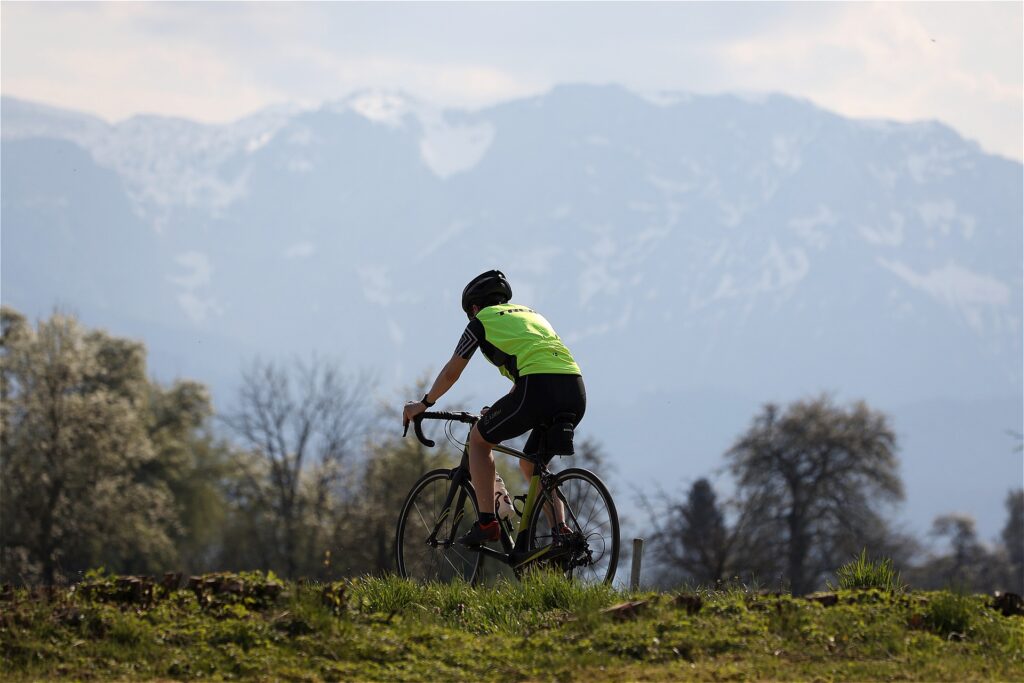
(547, 384)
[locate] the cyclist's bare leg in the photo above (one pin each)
(559, 511)
(527, 468)
(481, 470)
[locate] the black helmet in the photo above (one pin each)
(486, 289)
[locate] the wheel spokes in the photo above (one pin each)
(441, 559)
(590, 517)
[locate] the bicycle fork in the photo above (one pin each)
(447, 509)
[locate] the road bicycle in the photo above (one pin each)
(442, 506)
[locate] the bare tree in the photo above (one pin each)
(968, 554)
(301, 422)
(816, 474)
(969, 564)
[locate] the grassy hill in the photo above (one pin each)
(253, 626)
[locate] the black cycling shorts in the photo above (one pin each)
(536, 399)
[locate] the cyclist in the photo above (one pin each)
(547, 383)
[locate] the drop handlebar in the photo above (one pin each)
(468, 418)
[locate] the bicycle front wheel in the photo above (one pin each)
(591, 552)
(426, 540)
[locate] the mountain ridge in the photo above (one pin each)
(766, 248)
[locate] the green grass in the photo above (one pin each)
(386, 629)
(862, 573)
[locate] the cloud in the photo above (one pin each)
(460, 83)
(199, 267)
(299, 250)
(902, 61)
(216, 64)
(955, 62)
(379, 288)
(96, 59)
(198, 309)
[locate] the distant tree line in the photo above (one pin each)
(101, 466)
(813, 484)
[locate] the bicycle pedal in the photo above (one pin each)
(479, 535)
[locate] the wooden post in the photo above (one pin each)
(638, 553)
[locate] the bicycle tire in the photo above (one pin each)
(414, 557)
(593, 519)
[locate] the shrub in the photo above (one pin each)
(864, 574)
(949, 614)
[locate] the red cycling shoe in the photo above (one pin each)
(481, 533)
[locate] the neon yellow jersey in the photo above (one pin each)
(519, 341)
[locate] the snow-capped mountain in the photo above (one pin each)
(700, 254)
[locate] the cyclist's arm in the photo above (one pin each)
(449, 374)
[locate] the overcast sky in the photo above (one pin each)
(962, 64)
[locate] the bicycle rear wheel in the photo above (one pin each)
(426, 540)
(591, 553)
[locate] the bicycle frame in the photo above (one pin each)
(516, 553)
